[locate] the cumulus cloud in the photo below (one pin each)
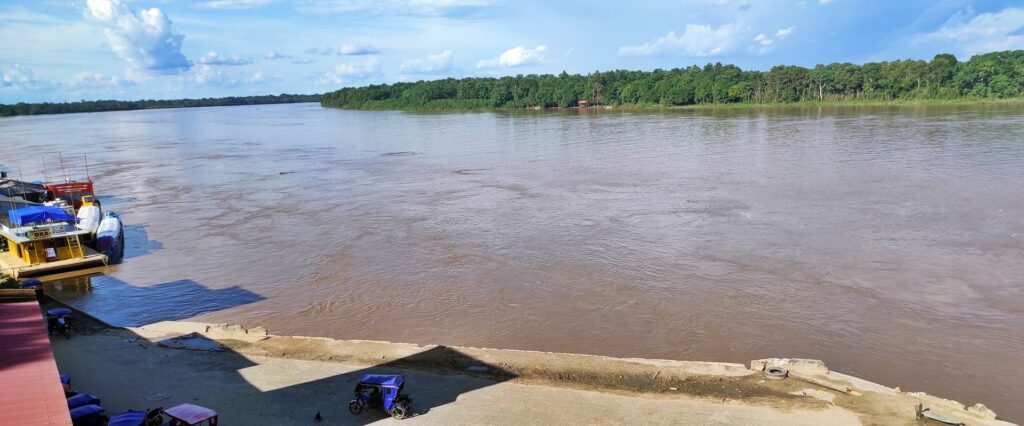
(350, 70)
(514, 57)
(972, 33)
(433, 64)
(696, 40)
(273, 54)
(143, 39)
(763, 42)
(214, 58)
(357, 49)
(17, 77)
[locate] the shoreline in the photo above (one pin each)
(714, 106)
(811, 385)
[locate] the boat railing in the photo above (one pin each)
(56, 229)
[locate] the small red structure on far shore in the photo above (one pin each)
(582, 103)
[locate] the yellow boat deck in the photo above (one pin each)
(13, 265)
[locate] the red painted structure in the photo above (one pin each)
(71, 191)
(30, 389)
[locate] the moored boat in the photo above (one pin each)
(110, 236)
(89, 217)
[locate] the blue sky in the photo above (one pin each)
(160, 49)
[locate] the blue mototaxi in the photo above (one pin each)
(88, 415)
(386, 390)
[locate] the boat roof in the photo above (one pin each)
(11, 187)
(38, 214)
(190, 413)
(386, 380)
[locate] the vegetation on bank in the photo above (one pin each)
(111, 105)
(996, 75)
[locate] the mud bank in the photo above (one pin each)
(810, 394)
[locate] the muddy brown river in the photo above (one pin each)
(888, 242)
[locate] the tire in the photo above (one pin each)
(398, 412)
(355, 407)
(776, 373)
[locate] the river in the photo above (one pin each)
(887, 241)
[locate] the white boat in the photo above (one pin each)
(89, 218)
(110, 236)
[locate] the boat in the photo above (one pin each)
(89, 216)
(110, 236)
(43, 239)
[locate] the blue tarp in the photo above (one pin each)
(382, 380)
(37, 214)
(128, 418)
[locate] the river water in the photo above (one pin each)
(888, 242)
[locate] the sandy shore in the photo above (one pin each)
(251, 377)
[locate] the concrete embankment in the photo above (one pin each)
(253, 377)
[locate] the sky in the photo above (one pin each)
(56, 51)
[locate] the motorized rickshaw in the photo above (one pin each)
(385, 390)
(137, 418)
(191, 415)
(58, 320)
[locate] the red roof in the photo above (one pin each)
(30, 389)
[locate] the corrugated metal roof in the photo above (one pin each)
(30, 389)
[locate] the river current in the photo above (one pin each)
(887, 241)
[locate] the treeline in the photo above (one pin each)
(97, 106)
(991, 75)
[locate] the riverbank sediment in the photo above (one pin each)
(251, 376)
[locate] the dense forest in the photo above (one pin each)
(991, 75)
(97, 106)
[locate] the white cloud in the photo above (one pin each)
(17, 77)
(273, 54)
(206, 74)
(516, 56)
(763, 43)
(144, 39)
(971, 34)
(232, 4)
(357, 49)
(214, 58)
(350, 70)
(824, 2)
(696, 40)
(433, 64)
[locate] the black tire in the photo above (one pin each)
(776, 373)
(398, 412)
(355, 407)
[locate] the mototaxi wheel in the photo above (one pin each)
(399, 411)
(355, 407)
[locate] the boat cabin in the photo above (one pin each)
(41, 234)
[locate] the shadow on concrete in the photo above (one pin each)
(430, 383)
(121, 304)
(226, 381)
